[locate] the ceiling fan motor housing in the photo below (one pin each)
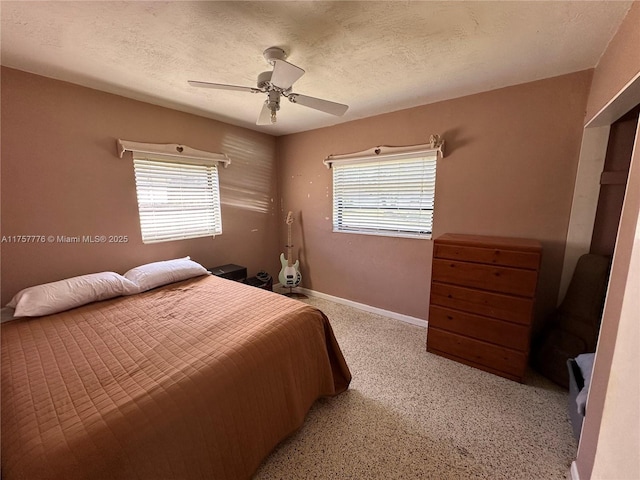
(264, 79)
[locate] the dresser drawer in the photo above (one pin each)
(489, 304)
(478, 353)
(486, 277)
(482, 328)
(492, 256)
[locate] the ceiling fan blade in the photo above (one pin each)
(285, 74)
(265, 115)
(222, 86)
(318, 104)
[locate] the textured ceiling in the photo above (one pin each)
(374, 56)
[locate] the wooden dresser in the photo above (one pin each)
(482, 297)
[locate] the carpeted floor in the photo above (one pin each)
(409, 414)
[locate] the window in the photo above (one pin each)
(392, 194)
(177, 198)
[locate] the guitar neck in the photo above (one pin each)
(289, 246)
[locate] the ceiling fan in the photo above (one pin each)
(276, 84)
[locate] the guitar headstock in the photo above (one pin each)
(289, 219)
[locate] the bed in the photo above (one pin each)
(196, 379)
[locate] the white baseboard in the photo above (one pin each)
(574, 471)
(361, 306)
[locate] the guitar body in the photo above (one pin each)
(289, 276)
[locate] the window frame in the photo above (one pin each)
(192, 180)
(386, 159)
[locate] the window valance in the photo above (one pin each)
(172, 152)
(435, 146)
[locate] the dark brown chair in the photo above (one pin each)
(574, 326)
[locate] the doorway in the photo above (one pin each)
(613, 182)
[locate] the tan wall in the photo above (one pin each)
(510, 165)
(61, 176)
(618, 65)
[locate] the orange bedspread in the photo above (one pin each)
(199, 379)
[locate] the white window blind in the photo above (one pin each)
(386, 196)
(177, 199)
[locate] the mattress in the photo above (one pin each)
(198, 379)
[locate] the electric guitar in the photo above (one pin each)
(290, 274)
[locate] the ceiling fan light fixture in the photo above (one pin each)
(269, 109)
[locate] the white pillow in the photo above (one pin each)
(155, 274)
(72, 292)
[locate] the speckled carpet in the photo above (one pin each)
(409, 414)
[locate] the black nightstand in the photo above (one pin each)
(230, 271)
